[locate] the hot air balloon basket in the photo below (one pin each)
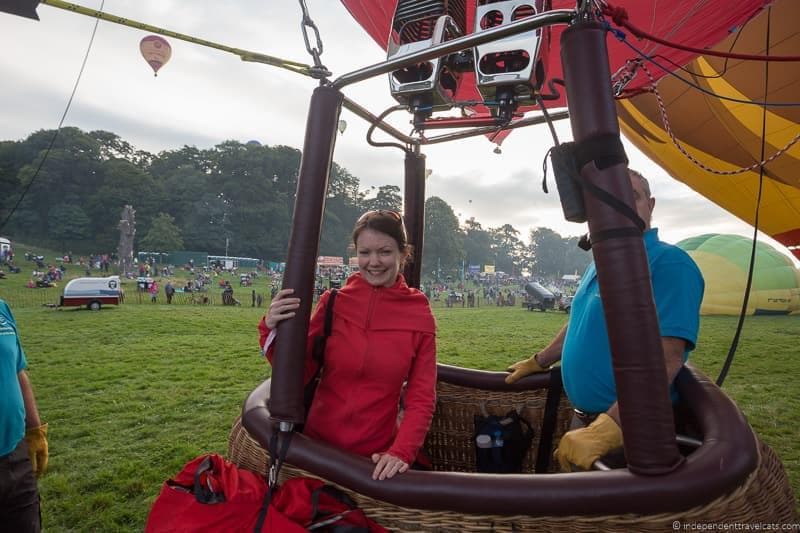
(765, 496)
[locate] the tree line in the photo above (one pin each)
(233, 197)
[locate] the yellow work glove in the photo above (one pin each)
(37, 448)
(582, 447)
(523, 368)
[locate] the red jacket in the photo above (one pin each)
(382, 337)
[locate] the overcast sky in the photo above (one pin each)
(204, 96)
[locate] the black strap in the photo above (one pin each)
(319, 342)
(318, 354)
(549, 421)
(276, 463)
(615, 233)
(334, 493)
(605, 150)
(202, 493)
(612, 201)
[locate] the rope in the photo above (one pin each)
(60, 124)
(735, 342)
(245, 55)
(663, 111)
(621, 92)
(620, 17)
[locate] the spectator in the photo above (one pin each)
(169, 290)
(583, 347)
(23, 437)
(376, 313)
(153, 290)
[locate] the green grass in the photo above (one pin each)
(133, 392)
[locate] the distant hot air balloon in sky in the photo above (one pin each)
(156, 51)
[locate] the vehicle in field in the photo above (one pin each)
(565, 304)
(92, 292)
(538, 297)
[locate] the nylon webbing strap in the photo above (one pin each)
(549, 421)
(612, 201)
(274, 469)
(205, 493)
(605, 150)
(319, 344)
(615, 233)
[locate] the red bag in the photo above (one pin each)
(318, 507)
(211, 494)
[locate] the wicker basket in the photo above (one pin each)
(765, 497)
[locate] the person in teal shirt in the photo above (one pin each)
(583, 348)
(23, 437)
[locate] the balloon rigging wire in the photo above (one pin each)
(60, 124)
(735, 342)
(739, 32)
(620, 17)
(621, 37)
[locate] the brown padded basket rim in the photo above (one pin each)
(764, 497)
(728, 441)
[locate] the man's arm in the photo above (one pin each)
(674, 348)
(31, 411)
(35, 431)
(540, 361)
(583, 446)
(551, 353)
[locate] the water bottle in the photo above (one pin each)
(483, 452)
(498, 439)
(497, 451)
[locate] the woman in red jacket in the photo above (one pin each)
(382, 345)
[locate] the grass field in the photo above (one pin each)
(133, 392)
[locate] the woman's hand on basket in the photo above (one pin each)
(281, 308)
(386, 466)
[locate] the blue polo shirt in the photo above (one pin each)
(586, 365)
(12, 362)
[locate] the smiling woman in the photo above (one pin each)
(381, 353)
(382, 246)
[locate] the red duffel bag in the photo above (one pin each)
(211, 494)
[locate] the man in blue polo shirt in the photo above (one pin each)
(23, 438)
(583, 348)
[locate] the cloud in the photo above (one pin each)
(205, 96)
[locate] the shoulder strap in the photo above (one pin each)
(329, 313)
(549, 421)
(319, 342)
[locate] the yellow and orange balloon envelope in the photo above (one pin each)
(156, 51)
(725, 134)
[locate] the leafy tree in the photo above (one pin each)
(342, 208)
(387, 197)
(547, 251)
(112, 146)
(575, 259)
(163, 235)
(552, 255)
(477, 243)
(507, 247)
(443, 247)
(68, 222)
